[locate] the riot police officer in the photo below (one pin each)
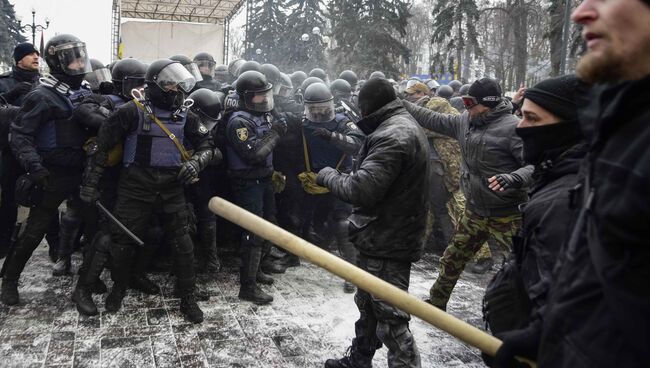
(190, 65)
(154, 131)
(206, 64)
(127, 75)
(350, 77)
(100, 79)
(48, 144)
(329, 140)
(208, 106)
(252, 132)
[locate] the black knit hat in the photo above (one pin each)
(487, 92)
(22, 50)
(556, 95)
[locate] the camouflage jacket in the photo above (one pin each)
(448, 148)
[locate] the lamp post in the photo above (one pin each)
(34, 27)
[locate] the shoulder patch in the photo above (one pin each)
(242, 134)
(351, 125)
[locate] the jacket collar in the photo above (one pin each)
(494, 115)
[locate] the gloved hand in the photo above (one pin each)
(19, 89)
(323, 133)
(89, 194)
(280, 126)
(324, 174)
(502, 182)
(189, 172)
(39, 175)
(522, 343)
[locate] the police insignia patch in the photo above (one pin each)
(203, 129)
(242, 134)
(351, 125)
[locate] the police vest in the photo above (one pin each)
(261, 127)
(321, 152)
(116, 100)
(64, 132)
(150, 146)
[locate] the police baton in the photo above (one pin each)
(117, 222)
(362, 279)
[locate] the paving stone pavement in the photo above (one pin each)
(310, 321)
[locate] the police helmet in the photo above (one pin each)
(350, 77)
(256, 92)
(205, 62)
(341, 90)
(319, 103)
(221, 73)
(272, 74)
(247, 66)
(189, 65)
(455, 85)
(167, 83)
(128, 74)
(297, 78)
(318, 73)
(445, 92)
(207, 104)
(66, 54)
(233, 67)
(100, 79)
(377, 74)
(286, 86)
(464, 90)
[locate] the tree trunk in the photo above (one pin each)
(556, 11)
(521, 42)
(467, 62)
(459, 49)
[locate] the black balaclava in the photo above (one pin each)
(374, 95)
(547, 142)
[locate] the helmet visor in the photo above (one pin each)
(131, 83)
(206, 67)
(73, 58)
(261, 101)
(96, 77)
(320, 112)
(285, 91)
(194, 70)
(175, 76)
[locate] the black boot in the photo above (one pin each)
(271, 266)
(350, 360)
(83, 298)
(9, 294)
(61, 267)
(190, 309)
(208, 244)
(263, 278)
(290, 260)
(98, 287)
(142, 283)
(115, 297)
(349, 287)
(248, 277)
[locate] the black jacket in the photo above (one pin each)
(389, 186)
(489, 146)
(546, 223)
(598, 313)
(16, 75)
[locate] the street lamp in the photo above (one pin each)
(35, 27)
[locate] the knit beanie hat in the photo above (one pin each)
(557, 96)
(487, 92)
(22, 50)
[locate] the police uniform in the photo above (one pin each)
(45, 135)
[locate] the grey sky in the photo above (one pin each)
(90, 20)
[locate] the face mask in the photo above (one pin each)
(547, 142)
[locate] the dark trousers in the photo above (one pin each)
(142, 192)
(380, 322)
(62, 184)
(257, 197)
(11, 170)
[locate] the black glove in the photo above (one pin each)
(19, 89)
(508, 181)
(280, 126)
(89, 194)
(39, 175)
(523, 343)
(189, 172)
(323, 133)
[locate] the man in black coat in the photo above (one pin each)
(597, 313)
(388, 188)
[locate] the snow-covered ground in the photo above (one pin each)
(310, 321)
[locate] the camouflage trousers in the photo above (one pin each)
(456, 208)
(472, 231)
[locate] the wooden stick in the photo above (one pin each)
(362, 279)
